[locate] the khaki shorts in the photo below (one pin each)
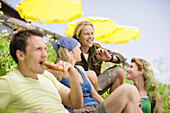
(99, 109)
(86, 109)
(107, 78)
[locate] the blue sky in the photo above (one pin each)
(150, 16)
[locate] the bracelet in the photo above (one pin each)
(111, 60)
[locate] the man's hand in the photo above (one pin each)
(103, 54)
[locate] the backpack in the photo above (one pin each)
(153, 102)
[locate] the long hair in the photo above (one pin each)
(150, 82)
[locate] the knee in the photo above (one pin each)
(129, 87)
(121, 73)
(133, 93)
(91, 75)
(93, 78)
(130, 90)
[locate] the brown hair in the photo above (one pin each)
(19, 41)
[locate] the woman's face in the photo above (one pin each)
(132, 71)
(86, 37)
(77, 53)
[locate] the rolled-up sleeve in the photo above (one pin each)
(120, 57)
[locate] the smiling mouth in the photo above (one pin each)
(90, 41)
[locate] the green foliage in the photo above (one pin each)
(106, 94)
(164, 91)
(6, 61)
(126, 81)
(50, 51)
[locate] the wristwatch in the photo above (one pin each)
(111, 60)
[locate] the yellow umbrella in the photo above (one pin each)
(50, 11)
(107, 31)
(122, 35)
(104, 27)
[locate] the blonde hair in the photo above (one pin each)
(79, 27)
(62, 54)
(150, 83)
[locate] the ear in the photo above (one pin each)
(141, 72)
(20, 55)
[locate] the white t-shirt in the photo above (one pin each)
(86, 56)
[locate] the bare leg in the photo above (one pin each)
(119, 80)
(93, 78)
(34, 111)
(125, 99)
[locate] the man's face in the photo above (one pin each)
(35, 54)
(87, 36)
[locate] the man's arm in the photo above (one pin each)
(118, 58)
(107, 55)
(72, 97)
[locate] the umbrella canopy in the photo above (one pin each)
(122, 35)
(107, 31)
(50, 11)
(103, 27)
